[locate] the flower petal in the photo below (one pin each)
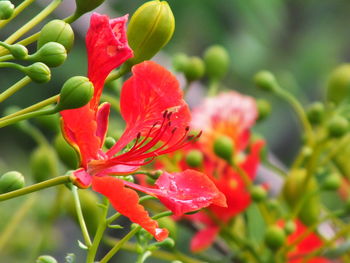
(126, 202)
(107, 48)
(204, 238)
(145, 97)
(82, 178)
(102, 121)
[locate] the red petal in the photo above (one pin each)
(204, 238)
(83, 179)
(102, 121)
(79, 128)
(145, 96)
(252, 161)
(126, 202)
(107, 49)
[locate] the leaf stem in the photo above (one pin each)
(14, 88)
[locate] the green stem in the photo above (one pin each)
(36, 187)
(126, 238)
(33, 22)
(213, 88)
(34, 107)
(16, 221)
(99, 233)
(14, 88)
(16, 12)
(27, 116)
(117, 74)
(6, 58)
(112, 100)
(81, 217)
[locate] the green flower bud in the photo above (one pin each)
(258, 193)
(194, 69)
(289, 227)
(264, 109)
(274, 237)
(338, 87)
(150, 28)
(84, 6)
(216, 61)
(180, 61)
(38, 72)
(265, 80)
(53, 54)
(75, 93)
(6, 10)
(194, 158)
(224, 148)
(337, 126)
(46, 259)
(109, 142)
(66, 153)
(170, 224)
(167, 243)
(57, 31)
(18, 51)
(50, 122)
(11, 181)
(310, 212)
(128, 178)
(315, 112)
(43, 163)
(332, 182)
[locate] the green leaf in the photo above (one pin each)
(255, 224)
(115, 226)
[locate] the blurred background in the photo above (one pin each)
(300, 41)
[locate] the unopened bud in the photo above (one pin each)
(6, 10)
(338, 87)
(11, 181)
(57, 31)
(150, 28)
(194, 69)
(265, 80)
(38, 72)
(128, 178)
(46, 259)
(216, 61)
(258, 193)
(166, 243)
(315, 112)
(224, 148)
(66, 153)
(180, 61)
(109, 142)
(53, 54)
(43, 163)
(337, 126)
(194, 158)
(274, 237)
(75, 93)
(18, 51)
(332, 182)
(84, 6)
(264, 109)
(289, 227)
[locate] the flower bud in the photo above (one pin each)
(167, 243)
(38, 72)
(75, 93)
(180, 61)
(258, 193)
(266, 81)
(109, 142)
(57, 31)
(289, 227)
(216, 61)
(274, 237)
(6, 10)
(84, 6)
(337, 126)
(315, 112)
(53, 54)
(65, 152)
(128, 178)
(11, 181)
(150, 28)
(332, 182)
(338, 87)
(194, 158)
(18, 51)
(46, 259)
(224, 148)
(43, 163)
(264, 109)
(194, 69)
(49, 122)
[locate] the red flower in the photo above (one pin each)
(157, 119)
